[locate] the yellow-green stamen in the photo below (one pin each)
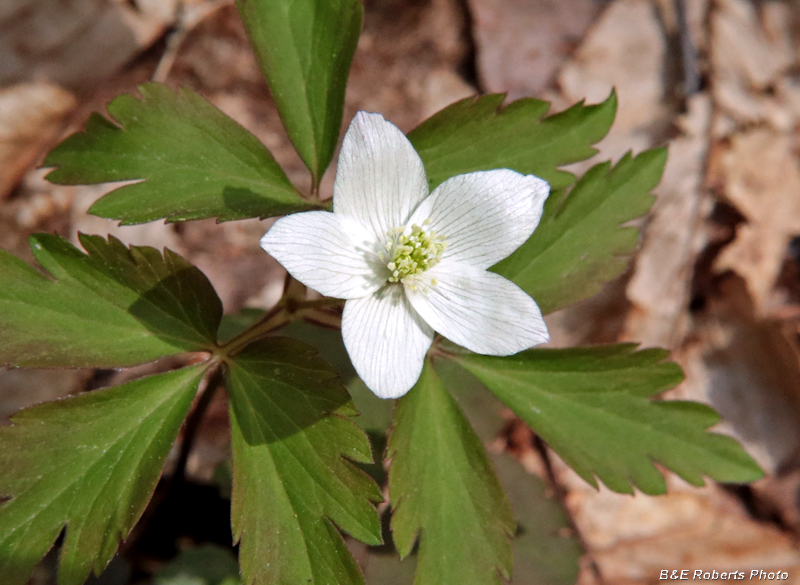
(411, 254)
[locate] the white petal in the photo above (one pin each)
(484, 216)
(479, 310)
(325, 253)
(380, 179)
(386, 340)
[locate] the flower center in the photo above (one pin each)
(411, 254)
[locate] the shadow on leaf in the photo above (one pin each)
(280, 386)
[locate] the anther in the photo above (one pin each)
(412, 252)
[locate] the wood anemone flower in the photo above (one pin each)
(410, 263)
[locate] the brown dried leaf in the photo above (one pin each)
(660, 286)
(76, 43)
(30, 119)
(761, 178)
(748, 56)
(632, 539)
(521, 44)
(625, 49)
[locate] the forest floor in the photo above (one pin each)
(716, 278)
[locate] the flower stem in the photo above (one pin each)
(295, 306)
(269, 322)
(288, 310)
(320, 318)
(441, 347)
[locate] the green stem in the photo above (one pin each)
(285, 312)
(321, 318)
(274, 319)
(315, 182)
(446, 349)
(296, 306)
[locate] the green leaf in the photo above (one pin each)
(191, 161)
(91, 463)
(112, 308)
(305, 48)
(591, 406)
(542, 556)
(209, 564)
(443, 486)
(233, 325)
(291, 483)
(579, 245)
(475, 134)
(374, 414)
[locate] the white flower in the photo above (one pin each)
(410, 263)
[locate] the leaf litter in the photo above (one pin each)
(725, 305)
